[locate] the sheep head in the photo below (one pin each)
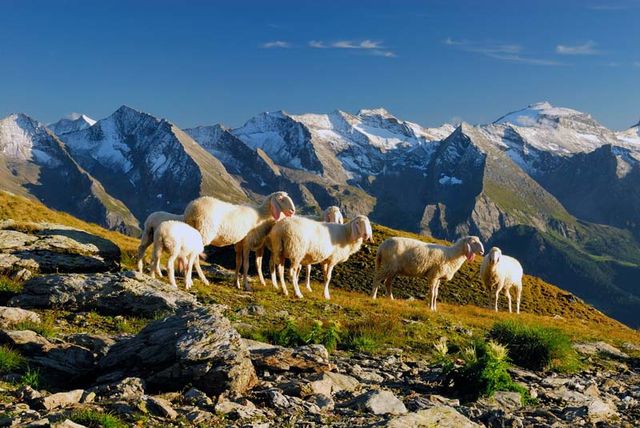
(361, 229)
(494, 255)
(472, 246)
(281, 204)
(333, 215)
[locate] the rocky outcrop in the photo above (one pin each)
(53, 248)
(126, 293)
(313, 358)
(437, 416)
(12, 316)
(196, 346)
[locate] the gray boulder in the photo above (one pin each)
(313, 358)
(12, 316)
(51, 248)
(378, 403)
(197, 347)
(437, 416)
(121, 293)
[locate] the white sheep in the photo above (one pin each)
(150, 224)
(306, 241)
(181, 241)
(221, 223)
(331, 214)
(502, 272)
(411, 257)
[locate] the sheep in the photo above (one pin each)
(331, 214)
(181, 241)
(410, 257)
(150, 224)
(306, 241)
(221, 223)
(503, 272)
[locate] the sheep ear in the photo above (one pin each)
(496, 257)
(467, 251)
(339, 218)
(355, 231)
(276, 212)
(369, 232)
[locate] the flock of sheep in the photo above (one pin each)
(305, 241)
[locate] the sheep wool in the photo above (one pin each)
(502, 272)
(150, 224)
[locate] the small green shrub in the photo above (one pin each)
(96, 419)
(44, 328)
(31, 377)
(536, 347)
(290, 335)
(328, 336)
(10, 360)
(361, 342)
(483, 372)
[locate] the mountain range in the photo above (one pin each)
(549, 185)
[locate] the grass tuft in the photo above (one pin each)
(31, 377)
(10, 360)
(536, 347)
(96, 419)
(45, 328)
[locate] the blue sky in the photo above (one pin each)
(197, 62)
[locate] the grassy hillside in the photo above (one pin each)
(404, 323)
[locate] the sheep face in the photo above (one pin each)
(333, 215)
(494, 255)
(472, 247)
(281, 204)
(361, 228)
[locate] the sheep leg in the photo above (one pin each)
(188, 281)
(498, 290)
(295, 274)
(435, 300)
(518, 296)
(259, 255)
(245, 267)
(389, 284)
(377, 279)
(170, 268)
(147, 239)
(281, 274)
(309, 278)
(203, 278)
(508, 294)
(155, 263)
(327, 280)
(433, 282)
(238, 248)
(272, 271)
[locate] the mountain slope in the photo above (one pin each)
(34, 162)
(149, 163)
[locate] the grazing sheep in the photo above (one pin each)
(306, 241)
(150, 224)
(181, 241)
(502, 272)
(410, 257)
(221, 223)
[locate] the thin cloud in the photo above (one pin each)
(276, 44)
(636, 64)
(372, 47)
(508, 52)
(608, 7)
(587, 48)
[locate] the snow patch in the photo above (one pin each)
(446, 180)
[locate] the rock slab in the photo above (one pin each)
(197, 347)
(121, 293)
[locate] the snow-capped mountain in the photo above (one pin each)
(149, 163)
(73, 122)
(34, 162)
(339, 145)
(631, 136)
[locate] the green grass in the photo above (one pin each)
(31, 377)
(483, 372)
(45, 328)
(8, 289)
(10, 360)
(96, 419)
(536, 347)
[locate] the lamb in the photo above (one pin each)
(502, 272)
(150, 224)
(221, 223)
(410, 257)
(305, 241)
(181, 241)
